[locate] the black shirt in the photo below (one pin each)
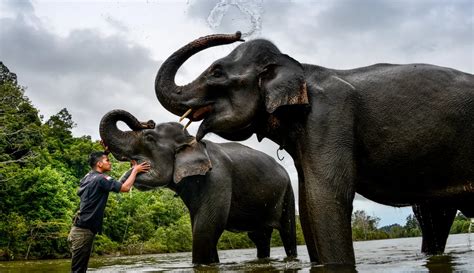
(94, 191)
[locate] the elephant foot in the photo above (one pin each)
(435, 223)
(261, 239)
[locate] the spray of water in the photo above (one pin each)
(250, 8)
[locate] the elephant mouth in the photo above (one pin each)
(197, 114)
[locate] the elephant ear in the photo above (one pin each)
(283, 83)
(191, 159)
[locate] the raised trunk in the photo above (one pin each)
(120, 143)
(174, 97)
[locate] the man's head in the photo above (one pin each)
(100, 162)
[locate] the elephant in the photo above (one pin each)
(400, 135)
(225, 186)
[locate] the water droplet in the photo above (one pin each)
(251, 8)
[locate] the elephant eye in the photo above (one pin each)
(217, 73)
(149, 138)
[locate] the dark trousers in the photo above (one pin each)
(80, 240)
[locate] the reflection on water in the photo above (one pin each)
(396, 255)
(442, 263)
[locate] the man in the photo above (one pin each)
(94, 191)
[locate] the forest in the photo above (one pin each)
(41, 164)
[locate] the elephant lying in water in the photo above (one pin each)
(225, 186)
(397, 134)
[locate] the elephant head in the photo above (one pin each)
(172, 153)
(254, 80)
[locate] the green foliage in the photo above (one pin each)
(235, 240)
(6, 76)
(175, 237)
(104, 245)
(20, 129)
(412, 228)
(38, 176)
(364, 227)
(46, 194)
(299, 232)
(47, 239)
(59, 126)
(13, 231)
(460, 224)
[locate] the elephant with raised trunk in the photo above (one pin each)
(225, 186)
(399, 135)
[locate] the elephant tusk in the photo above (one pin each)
(185, 114)
(189, 123)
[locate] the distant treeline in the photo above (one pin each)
(41, 164)
(365, 227)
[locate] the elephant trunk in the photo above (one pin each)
(174, 97)
(120, 143)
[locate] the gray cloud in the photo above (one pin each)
(19, 6)
(346, 34)
(82, 51)
(116, 24)
(87, 72)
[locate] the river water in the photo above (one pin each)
(394, 255)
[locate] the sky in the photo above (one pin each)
(94, 56)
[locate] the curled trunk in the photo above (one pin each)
(120, 142)
(174, 97)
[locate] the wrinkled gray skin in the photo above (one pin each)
(397, 134)
(225, 186)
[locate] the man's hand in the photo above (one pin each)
(142, 167)
(136, 169)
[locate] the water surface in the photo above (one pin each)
(394, 255)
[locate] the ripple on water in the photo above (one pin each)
(395, 255)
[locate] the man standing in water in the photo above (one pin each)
(94, 191)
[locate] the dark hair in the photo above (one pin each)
(95, 157)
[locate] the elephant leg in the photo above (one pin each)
(435, 222)
(328, 197)
(333, 233)
(327, 207)
(287, 224)
(206, 233)
(205, 246)
(261, 239)
(308, 233)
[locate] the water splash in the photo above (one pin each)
(250, 8)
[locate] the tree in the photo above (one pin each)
(6, 75)
(20, 136)
(60, 126)
(461, 224)
(36, 195)
(19, 121)
(412, 227)
(364, 227)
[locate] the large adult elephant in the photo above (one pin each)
(397, 134)
(225, 186)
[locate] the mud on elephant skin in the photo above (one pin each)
(225, 186)
(397, 134)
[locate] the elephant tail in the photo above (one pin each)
(288, 223)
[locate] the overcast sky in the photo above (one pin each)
(94, 56)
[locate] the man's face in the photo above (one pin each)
(104, 164)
